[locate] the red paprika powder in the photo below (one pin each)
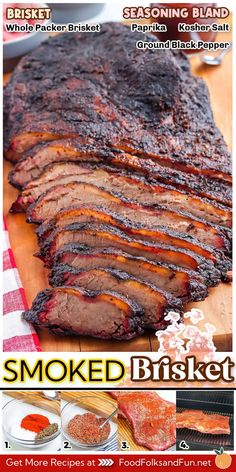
(35, 423)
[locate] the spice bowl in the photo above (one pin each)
(101, 409)
(12, 415)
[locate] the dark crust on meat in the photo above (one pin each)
(197, 290)
(205, 267)
(40, 307)
(221, 262)
(69, 190)
(167, 97)
(60, 275)
(223, 213)
(199, 185)
(72, 101)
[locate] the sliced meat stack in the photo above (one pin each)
(120, 164)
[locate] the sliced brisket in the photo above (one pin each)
(120, 160)
(96, 214)
(164, 236)
(75, 193)
(154, 303)
(132, 188)
(70, 310)
(102, 236)
(184, 284)
(213, 189)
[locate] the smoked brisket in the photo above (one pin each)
(70, 310)
(119, 161)
(155, 303)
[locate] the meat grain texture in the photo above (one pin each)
(118, 158)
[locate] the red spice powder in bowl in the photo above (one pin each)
(35, 422)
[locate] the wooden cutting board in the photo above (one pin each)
(217, 307)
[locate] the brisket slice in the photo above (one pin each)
(46, 156)
(97, 214)
(37, 159)
(155, 304)
(99, 93)
(132, 188)
(151, 417)
(207, 423)
(76, 193)
(164, 236)
(70, 310)
(102, 236)
(184, 284)
(213, 189)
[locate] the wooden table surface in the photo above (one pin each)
(217, 307)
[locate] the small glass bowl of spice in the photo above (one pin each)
(90, 422)
(28, 425)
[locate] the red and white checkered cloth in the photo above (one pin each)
(18, 335)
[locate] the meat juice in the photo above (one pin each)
(172, 32)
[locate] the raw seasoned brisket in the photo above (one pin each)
(117, 156)
(151, 417)
(181, 283)
(70, 310)
(207, 423)
(154, 303)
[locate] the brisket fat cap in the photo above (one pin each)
(70, 310)
(155, 303)
(186, 285)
